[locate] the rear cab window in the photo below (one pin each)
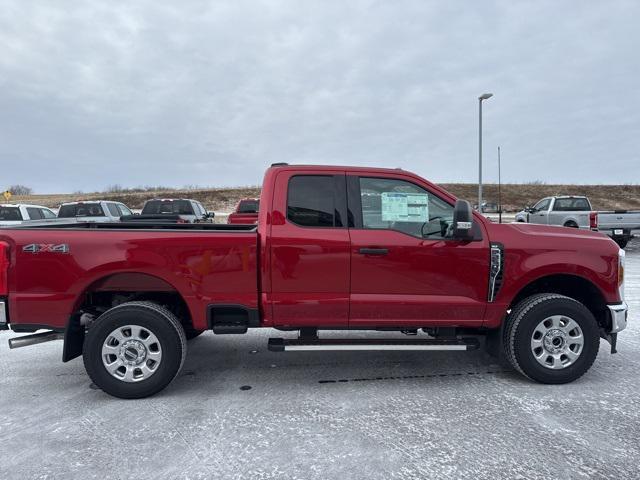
(10, 214)
(248, 206)
(168, 207)
(571, 205)
(81, 210)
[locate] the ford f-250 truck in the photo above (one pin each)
(335, 248)
(576, 212)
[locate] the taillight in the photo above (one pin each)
(4, 267)
(593, 220)
(621, 273)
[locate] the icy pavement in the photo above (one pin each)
(353, 415)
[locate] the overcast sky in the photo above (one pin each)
(94, 93)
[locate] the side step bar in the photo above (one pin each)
(310, 345)
(26, 340)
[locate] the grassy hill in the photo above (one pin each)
(514, 196)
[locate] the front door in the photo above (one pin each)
(405, 269)
(310, 256)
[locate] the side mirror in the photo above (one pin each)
(463, 221)
(210, 214)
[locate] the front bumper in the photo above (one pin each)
(3, 316)
(618, 314)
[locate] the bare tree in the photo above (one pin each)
(20, 190)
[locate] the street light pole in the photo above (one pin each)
(499, 193)
(482, 97)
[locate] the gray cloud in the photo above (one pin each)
(94, 93)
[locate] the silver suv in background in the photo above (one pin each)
(577, 212)
(94, 211)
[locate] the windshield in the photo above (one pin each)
(10, 214)
(80, 210)
(169, 207)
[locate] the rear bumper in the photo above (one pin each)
(618, 314)
(4, 319)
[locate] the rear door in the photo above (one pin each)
(309, 250)
(405, 271)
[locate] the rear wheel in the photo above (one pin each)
(571, 224)
(551, 338)
(134, 350)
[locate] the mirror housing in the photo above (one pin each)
(463, 221)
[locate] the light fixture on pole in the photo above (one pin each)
(482, 97)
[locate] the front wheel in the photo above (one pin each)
(622, 242)
(551, 338)
(134, 350)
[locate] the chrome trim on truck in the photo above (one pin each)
(618, 317)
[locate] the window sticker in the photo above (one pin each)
(405, 207)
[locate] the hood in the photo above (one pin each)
(527, 235)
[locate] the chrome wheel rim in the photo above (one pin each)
(557, 342)
(131, 353)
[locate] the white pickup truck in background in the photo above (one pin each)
(577, 212)
(15, 214)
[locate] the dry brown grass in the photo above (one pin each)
(514, 196)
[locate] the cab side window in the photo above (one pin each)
(392, 204)
(113, 210)
(34, 213)
(542, 205)
(46, 213)
(311, 201)
(124, 210)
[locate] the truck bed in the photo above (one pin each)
(53, 266)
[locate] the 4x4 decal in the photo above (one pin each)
(46, 247)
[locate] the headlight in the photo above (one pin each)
(621, 273)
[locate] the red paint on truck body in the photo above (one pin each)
(301, 276)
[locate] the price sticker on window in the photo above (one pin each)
(405, 207)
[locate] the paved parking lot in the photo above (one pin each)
(313, 415)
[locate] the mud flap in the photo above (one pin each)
(73, 339)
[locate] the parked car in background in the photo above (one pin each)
(173, 210)
(15, 214)
(577, 212)
(94, 211)
(246, 212)
(487, 207)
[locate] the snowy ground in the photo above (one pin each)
(313, 415)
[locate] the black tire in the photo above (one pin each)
(157, 319)
(520, 326)
(571, 224)
(191, 332)
(622, 242)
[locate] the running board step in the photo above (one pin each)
(302, 345)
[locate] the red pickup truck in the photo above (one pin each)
(335, 248)
(246, 212)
